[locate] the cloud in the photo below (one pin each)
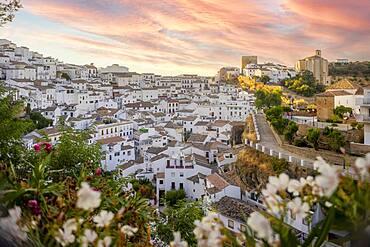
(205, 34)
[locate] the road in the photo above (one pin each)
(268, 139)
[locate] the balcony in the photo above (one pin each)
(362, 118)
(363, 102)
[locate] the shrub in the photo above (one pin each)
(300, 143)
(173, 196)
(290, 131)
(313, 136)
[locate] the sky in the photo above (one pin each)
(172, 37)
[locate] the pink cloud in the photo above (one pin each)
(209, 33)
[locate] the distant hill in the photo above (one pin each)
(352, 69)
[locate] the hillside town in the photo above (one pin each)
(180, 132)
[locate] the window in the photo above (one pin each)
(304, 221)
(173, 186)
(230, 224)
(160, 181)
(128, 152)
(168, 162)
(242, 228)
(110, 157)
(181, 186)
(116, 154)
(181, 174)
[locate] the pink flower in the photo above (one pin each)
(98, 171)
(48, 147)
(34, 206)
(37, 147)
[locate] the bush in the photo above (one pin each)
(301, 143)
(290, 131)
(267, 98)
(336, 140)
(313, 136)
(173, 196)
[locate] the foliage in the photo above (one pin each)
(266, 98)
(290, 131)
(173, 196)
(254, 167)
(12, 128)
(359, 69)
(335, 119)
(40, 121)
(73, 153)
(144, 188)
(179, 218)
(336, 139)
(301, 142)
(341, 110)
(65, 76)
(313, 136)
(47, 201)
(7, 10)
(265, 79)
(303, 84)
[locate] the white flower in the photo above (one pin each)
(9, 227)
(70, 225)
(261, 226)
(298, 208)
(106, 242)
(318, 162)
(207, 231)
(177, 241)
(273, 204)
(65, 237)
(280, 183)
(295, 187)
(103, 219)
(15, 214)
(269, 191)
(89, 237)
(363, 166)
(128, 230)
(87, 198)
(328, 180)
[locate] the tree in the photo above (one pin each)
(265, 79)
(341, 110)
(144, 188)
(12, 128)
(180, 217)
(290, 131)
(173, 196)
(40, 121)
(73, 153)
(313, 136)
(303, 84)
(336, 139)
(65, 76)
(267, 98)
(7, 10)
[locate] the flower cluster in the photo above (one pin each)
(208, 231)
(47, 147)
(89, 200)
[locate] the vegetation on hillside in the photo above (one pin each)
(303, 84)
(353, 69)
(267, 97)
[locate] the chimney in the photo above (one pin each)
(318, 53)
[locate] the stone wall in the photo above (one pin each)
(325, 107)
(359, 148)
